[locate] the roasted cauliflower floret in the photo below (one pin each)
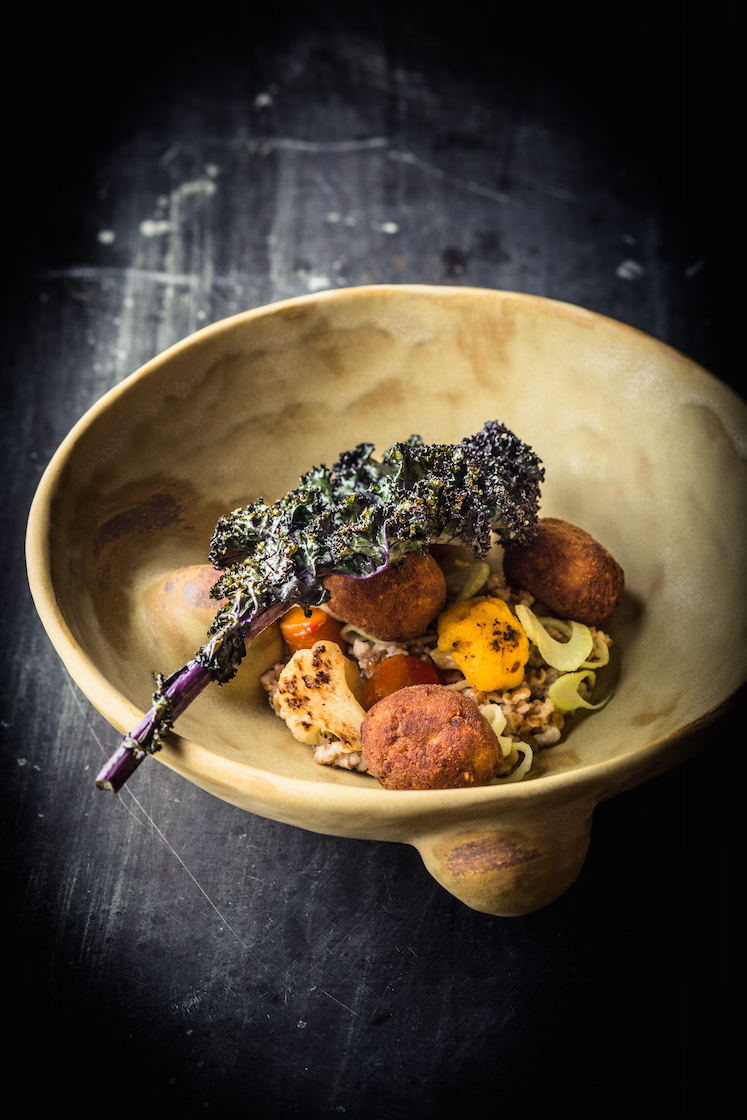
(315, 696)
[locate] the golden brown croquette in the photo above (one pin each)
(396, 605)
(567, 570)
(428, 736)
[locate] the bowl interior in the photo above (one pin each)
(642, 448)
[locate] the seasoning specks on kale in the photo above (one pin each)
(363, 515)
(353, 520)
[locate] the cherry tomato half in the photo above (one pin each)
(394, 673)
(300, 632)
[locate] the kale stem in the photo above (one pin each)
(183, 687)
(187, 685)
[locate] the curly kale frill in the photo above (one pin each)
(354, 520)
(362, 515)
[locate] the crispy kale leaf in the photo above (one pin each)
(363, 515)
(353, 519)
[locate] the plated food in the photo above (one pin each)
(461, 692)
(361, 541)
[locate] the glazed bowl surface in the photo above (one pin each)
(642, 448)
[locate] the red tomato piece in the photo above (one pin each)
(300, 632)
(394, 673)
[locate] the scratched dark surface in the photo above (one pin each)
(164, 951)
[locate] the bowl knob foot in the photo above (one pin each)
(510, 870)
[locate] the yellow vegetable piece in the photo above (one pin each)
(486, 641)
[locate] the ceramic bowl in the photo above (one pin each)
(642, 448)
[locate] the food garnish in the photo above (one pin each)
(356, 519)
(565, 695)
(521, 670)
(486, 642)
(562, 655)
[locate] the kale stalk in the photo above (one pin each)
(352, 520)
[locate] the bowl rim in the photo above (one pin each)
(613, 774)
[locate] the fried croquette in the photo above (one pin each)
(567, 570)
(395, 605)
(428, 736)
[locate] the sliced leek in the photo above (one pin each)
(443, 659)
(349, 633)
(521, 770)
(563, 656)
(600, 653)
(565, 695)
(495, 717)
(469, 579)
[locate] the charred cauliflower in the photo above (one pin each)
(315, 696)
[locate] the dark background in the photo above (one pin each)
(165, 951)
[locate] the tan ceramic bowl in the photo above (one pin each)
(642, 448)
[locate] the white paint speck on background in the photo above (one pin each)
(333, 218)
(154, 227)
(630, 270)
(315, 283)
(106, 236)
